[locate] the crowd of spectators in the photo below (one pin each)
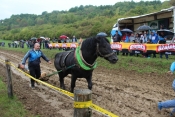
(143, 37)
(44, 42)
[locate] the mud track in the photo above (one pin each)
(124, 93)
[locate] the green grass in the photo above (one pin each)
(128, 63)
(139, 64)
(11, 107)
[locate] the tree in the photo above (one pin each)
(172, 2)
(44, 13)
(82, 21)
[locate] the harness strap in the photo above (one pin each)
(64, 60)
(79, 61)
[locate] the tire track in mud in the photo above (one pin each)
(130, 97)
(124, 94)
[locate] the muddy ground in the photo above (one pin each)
(124, 93)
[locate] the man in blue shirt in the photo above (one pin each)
(154, 40)
(33, 57)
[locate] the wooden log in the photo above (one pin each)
(82, 102)
(9, 79)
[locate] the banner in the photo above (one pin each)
(143, 48)
(116, 46)
(165, 47)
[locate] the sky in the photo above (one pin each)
(17, 7)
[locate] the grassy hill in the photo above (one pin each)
(82, 21)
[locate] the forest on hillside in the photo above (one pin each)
(82, 21)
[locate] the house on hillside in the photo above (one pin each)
(164, 18)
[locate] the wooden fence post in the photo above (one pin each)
(9, 79)
(82, 102)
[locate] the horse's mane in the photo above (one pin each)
(91, 41)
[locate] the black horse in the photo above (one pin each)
(81, 62)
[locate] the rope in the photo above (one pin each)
(59, 71)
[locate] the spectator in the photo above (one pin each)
(126, 40)
(162, 40)
(132, 38)
(13, 44)
(154, 37)
(142, 37)
(137, 38)
(154, 40)
(9, 45)
(68, 40)
(46, 42)
(74, 39)
(123, 37)
(117, 38)
(146, 36)
(27, 43)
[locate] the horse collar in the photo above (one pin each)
(80, 60)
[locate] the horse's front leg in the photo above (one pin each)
(73, 81)
(89, 80)
(61, 77)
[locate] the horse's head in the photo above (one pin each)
(104, 49)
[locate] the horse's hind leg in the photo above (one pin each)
(73, 80)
